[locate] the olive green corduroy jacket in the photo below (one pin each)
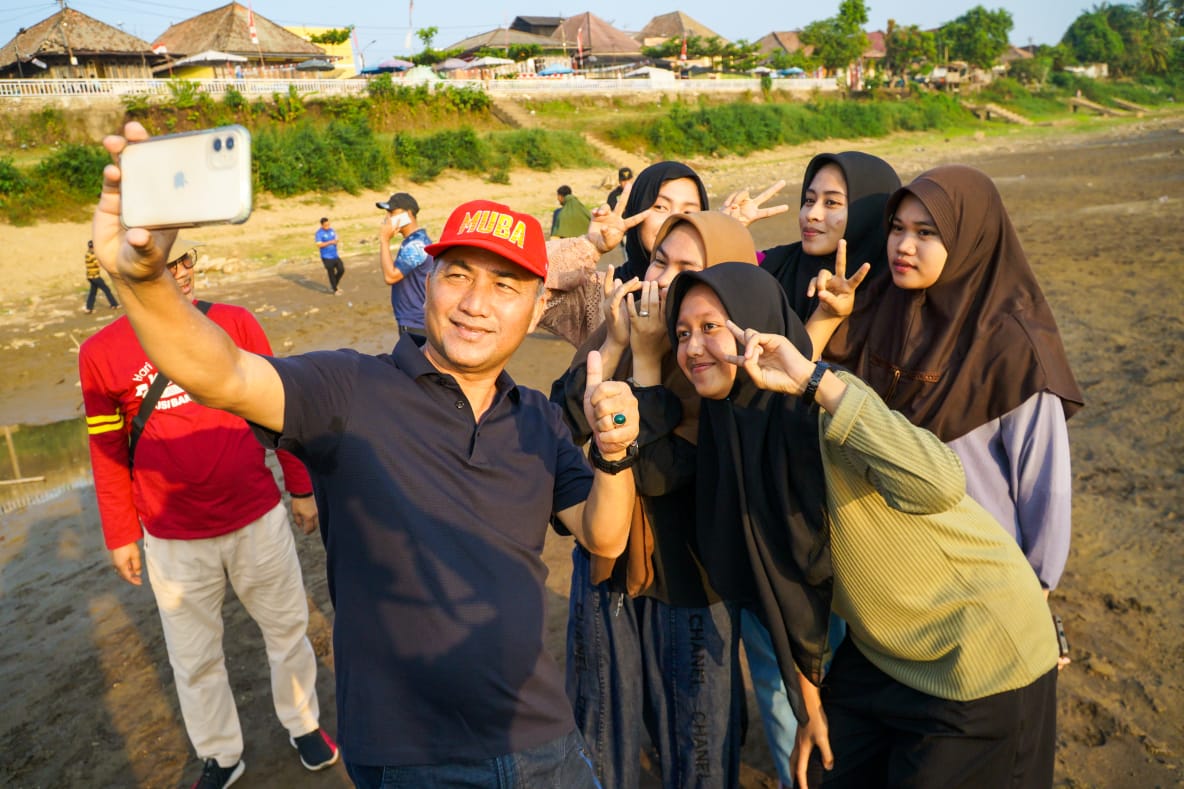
(934, 591)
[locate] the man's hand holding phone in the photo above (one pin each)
(135, 254)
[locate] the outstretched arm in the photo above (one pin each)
(184, 344)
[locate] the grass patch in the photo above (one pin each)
(425, 157)
(741, 128)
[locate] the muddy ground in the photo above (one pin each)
(86, 695)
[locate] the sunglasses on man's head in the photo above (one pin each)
(188, 260)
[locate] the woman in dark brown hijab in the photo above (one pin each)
(963, 343)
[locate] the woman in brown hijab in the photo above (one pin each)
(962, 342)
(649, 640)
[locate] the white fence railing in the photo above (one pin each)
(49, 88)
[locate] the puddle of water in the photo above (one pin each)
(57, 452)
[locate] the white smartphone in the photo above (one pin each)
(187, 179)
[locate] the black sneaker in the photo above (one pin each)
(214, 776)
(317, 749)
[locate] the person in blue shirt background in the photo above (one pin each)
(327, 244)
(407, 271)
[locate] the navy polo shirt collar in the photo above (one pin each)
(409, 357)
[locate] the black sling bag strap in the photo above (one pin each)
(148, 404)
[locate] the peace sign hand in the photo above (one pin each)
(739, 205)
(608, 225)
(771, 361)
(836, 292)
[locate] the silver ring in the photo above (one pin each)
(643, 313)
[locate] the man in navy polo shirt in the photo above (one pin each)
(436, 477)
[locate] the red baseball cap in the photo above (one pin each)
(499, 229)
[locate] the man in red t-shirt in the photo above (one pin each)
(207, 507)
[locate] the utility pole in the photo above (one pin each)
(65, 40)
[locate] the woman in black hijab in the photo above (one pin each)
(663, 189)
(947, 676)
(843, 198)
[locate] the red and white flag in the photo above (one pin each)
(580, 42)
(683, 54)
(251, 31)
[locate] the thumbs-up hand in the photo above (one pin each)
(611, 411)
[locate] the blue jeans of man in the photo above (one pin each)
(96, 285)
(638, 662)
(562, 763)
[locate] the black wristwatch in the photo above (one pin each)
(613, 466)
(812, 385)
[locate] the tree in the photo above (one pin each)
(1090, 39)
(1032, 71)
(1131, 41)
(839, 41)
(908, 49)
(740, 55)
(1177, 10)
(671, 48)
(781, 60)
(979, 36)
(332, 37)
(427, 35)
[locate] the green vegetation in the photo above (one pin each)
(741, 128)
(334, 36)
(64, 184)
(425, 157)
(978, 37)
(319, 145)
(839, 40)
(1130, 40)
(343, 156)
(739, 55)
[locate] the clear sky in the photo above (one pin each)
(387, 25)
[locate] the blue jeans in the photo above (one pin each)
(559, 764)
(769, 688)
(96, 285)
(676, 670)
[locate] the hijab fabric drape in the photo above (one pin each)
(982, 339)
(645, 190)
(870, 182)
(763, 529)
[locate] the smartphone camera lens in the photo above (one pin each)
(217, 144)
(230, 143)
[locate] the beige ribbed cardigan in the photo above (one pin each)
(935, 593)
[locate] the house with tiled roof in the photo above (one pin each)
(229, 29)
(676, 24)
(877, 48)
(595, 38)
(536, 25)
(787, 41)
(502, 38)
(72, 45)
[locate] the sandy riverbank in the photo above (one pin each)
(87, 693)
